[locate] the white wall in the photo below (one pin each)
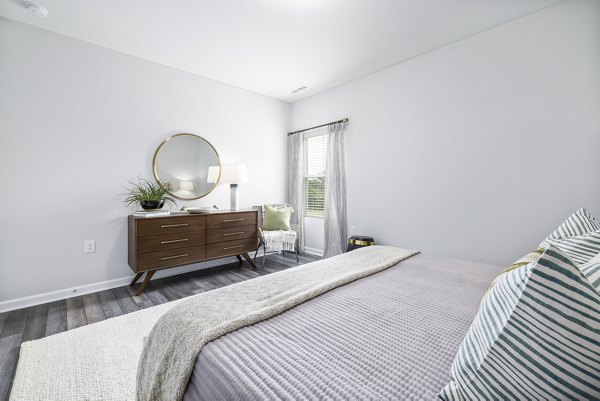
(314, 235)
(76, 122)
(479, 149)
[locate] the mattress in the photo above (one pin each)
(392, 335)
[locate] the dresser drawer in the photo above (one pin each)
(170, 225)
(230, 234)
(153, 243)
(231, 220)
(227, 248)
(170, 257)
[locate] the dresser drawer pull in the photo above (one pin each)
(238, 233)
(173, 240)
(228, 220)
(173, 257)
(232, 247)
(174, 225)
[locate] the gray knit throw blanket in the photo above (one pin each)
(171, 349)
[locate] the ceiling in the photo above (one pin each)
(272, 47)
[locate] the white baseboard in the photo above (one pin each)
(32, 300)
(313, 251)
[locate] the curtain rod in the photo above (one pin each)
(343, 120)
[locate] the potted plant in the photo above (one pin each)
(147, 194)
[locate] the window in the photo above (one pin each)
(315, 147)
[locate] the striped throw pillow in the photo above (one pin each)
(578, 237)
(592, 271)
(581, 248)
(536, 336)
(580, 222)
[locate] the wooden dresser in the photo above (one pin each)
(180, 239)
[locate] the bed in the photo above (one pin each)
(389, 323)
(391, 335)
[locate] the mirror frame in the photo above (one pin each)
(155, 169)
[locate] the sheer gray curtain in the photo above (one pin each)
(336, 229)
(295, 181)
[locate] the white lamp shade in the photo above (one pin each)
(186, 185)
(213, 174)
(230, 173)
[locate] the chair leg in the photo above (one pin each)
(261, 243)
(297, 255)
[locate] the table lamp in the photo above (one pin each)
(231, 174)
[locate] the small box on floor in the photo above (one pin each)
(359, 241)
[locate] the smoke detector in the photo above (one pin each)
(37, 9)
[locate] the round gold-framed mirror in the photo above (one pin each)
(181, 163)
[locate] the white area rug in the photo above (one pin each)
(94, 362)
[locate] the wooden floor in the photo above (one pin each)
(45, 320)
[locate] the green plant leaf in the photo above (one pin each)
(146, 190)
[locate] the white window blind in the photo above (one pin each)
(314, 176)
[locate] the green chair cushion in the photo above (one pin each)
(276, 218)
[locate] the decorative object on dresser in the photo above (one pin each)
(232, 174)
(181, 239)
(201, 209)
(152, 213)
(147, 194)
(275, 232)
(181, 165)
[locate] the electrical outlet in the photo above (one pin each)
(89, 246)
(353, 230)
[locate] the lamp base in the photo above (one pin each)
(234, 198)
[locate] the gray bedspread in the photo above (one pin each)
(389, 336)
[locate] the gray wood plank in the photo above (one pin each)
(15, 323)
(234, 277)
(143, 300)
(184, 284)
(177, 283)
(3, 317)
(244, 274)
(269, 267)
(155, 295)
(57, 317)
(283, 261)
(124, 299)
(93, 308)
(202, 285)
(9, 355)
(36, 323)
(168, 291)
(222, 279)
(109, 304)
(176, 287)
(211, 282)
(75, 313)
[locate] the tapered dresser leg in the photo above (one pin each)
(249, 259)
(136, 278)
(240, 259)
(149, 275)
